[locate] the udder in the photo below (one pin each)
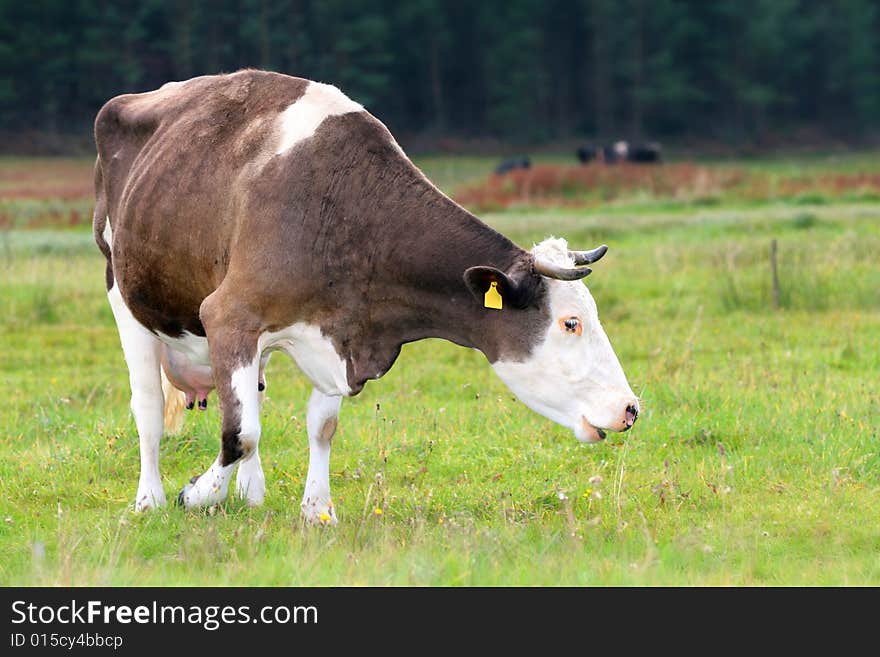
(195, 381)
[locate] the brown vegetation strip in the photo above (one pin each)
(70, 180)
(546, 185)
(37, 179)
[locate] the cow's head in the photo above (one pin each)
(570, 373)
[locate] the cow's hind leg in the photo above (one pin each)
(142, 352)
(317, 508)
(235, 361)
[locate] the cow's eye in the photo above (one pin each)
(572, 324)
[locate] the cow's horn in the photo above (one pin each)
(552, 270)
(588, 257)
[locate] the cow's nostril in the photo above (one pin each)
(632, 413)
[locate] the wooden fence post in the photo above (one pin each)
(774, 267)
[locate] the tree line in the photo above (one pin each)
(522, 70)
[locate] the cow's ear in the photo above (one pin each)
(515, 292)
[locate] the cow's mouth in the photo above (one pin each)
(589, 433)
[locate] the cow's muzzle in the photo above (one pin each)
(590, 433)
(630, 416)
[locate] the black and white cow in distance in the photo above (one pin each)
(251, 212)
(623, 151)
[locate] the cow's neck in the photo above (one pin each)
(433, 300)
(417, 289)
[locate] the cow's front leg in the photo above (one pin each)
(317, 508)
(236, 364)
(250, 482)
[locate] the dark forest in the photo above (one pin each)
(518, 70)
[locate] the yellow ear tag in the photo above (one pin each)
(492, 299)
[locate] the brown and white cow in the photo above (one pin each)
(251, 212)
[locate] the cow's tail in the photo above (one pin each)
(175, 403)
(99, 221)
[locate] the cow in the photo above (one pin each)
(623, 151)
(586, 154)
(512, 164)
(616, 152)
(647, 153)
(253, 212)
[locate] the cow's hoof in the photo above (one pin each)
(149, 497)
(252, 491)
(318, 513)
(145, 503)
(181, 496)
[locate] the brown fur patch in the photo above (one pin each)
(328, 429)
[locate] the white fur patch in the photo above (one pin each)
(314, 353)
(108, 233)
(554, 249)
(244, 386)
(302, 118)
(194, 347)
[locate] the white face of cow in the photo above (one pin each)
(573, 376)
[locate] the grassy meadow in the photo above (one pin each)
(756, 460)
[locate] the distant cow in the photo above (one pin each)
(512, 164)
(251, 212)
(586, 154)
(616, 152)
(648, 153)
(622, 151)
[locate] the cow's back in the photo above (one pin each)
(173, 166)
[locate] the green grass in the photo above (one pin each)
(756, 459)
